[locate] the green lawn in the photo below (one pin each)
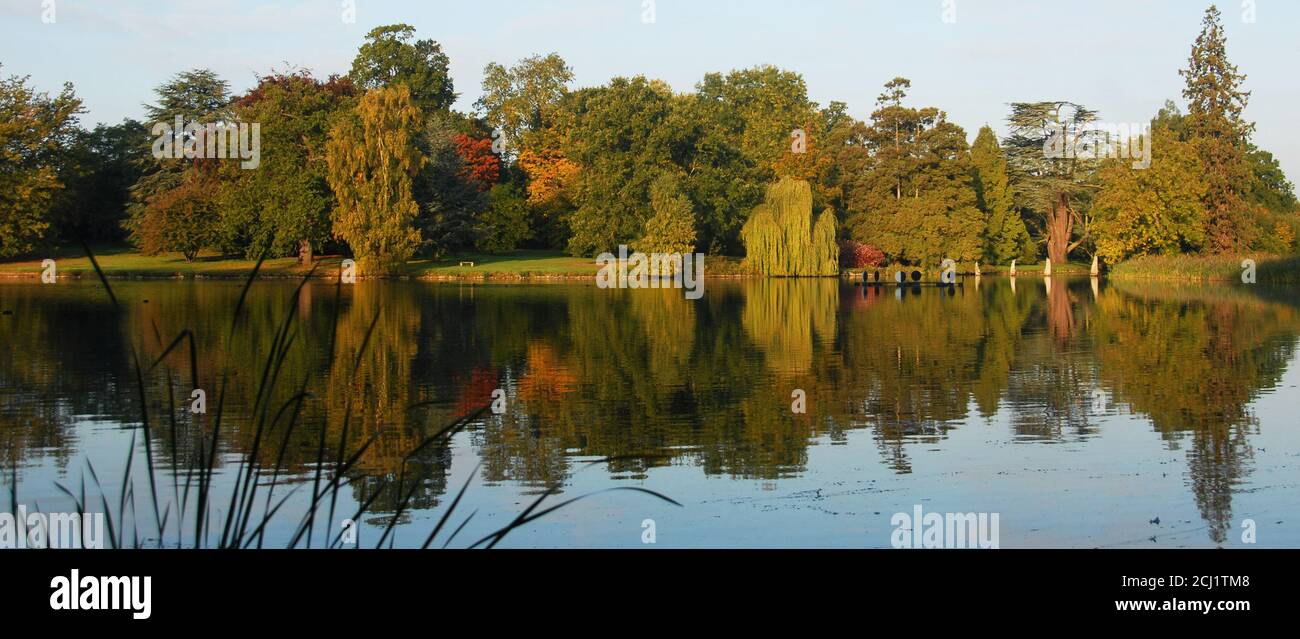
(125, 262)
(514, 263)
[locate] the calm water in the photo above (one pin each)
(1081, 415)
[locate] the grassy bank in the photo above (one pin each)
(119, 262)
(1269, 269)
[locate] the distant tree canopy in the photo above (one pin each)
(392, 56)
(350, 165)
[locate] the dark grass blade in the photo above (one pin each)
(447, 432)
(452, 507)
(525, 517)
(459, 528)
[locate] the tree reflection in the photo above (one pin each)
(643, 378)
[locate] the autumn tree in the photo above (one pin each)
(181, 219)
(372, 160)
(479, 165)
(1156, 210)
(197, 96)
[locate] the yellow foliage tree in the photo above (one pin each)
(373, 159)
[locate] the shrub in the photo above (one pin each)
(854, 254)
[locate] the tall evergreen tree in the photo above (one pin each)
(1214, 122)
(196, 96)
(1005, 235)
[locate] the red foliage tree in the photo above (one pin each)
(481, 166)
(858, 255)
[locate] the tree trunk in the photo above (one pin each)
(304, 253)
(1059, 228)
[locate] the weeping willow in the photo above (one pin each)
(781, 239)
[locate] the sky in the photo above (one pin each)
(970, 58)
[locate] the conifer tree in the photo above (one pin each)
(1214, 123)
(1005, 236)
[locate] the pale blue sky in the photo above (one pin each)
(1120, 57)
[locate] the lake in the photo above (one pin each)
(777, 413)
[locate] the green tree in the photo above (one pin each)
(284, 205)
(1005, 235)
(672, 227)
(912, 195)
(450, 199)
(1214, 122)
(196, 96)
(1270, 187)
(1053, 170)
(781, 238)
(97, 170)
(1157, 210)
(524, 98)
(731, 136)
(372, 160)
(33, 129)
(624, 135)
(505, 221)
(391, 55)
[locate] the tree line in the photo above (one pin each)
(377, 164)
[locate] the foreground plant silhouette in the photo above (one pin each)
(246, 515)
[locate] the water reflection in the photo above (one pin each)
(644, 378)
